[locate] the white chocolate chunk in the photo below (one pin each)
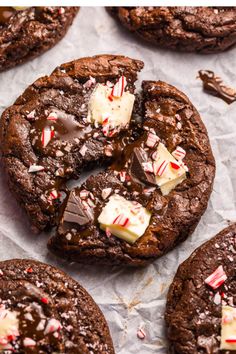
(171, 177)
(118, 110)
(125, 219)
(9, 325)
(228, 328)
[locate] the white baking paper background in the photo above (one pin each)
(131, 297)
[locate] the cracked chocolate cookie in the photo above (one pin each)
(43, 310)
(201, 303)
(159, 167)
(189, 29)
(26, 32)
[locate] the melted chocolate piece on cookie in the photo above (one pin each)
(215, 86)
(139, 157)
(75, 211)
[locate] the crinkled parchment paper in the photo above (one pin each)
(128, 297)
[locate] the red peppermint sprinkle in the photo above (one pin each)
(174, 165)
(52, 116)
(47, 135)
(179, 153)
(217, 278)
(231, 340)
(161, 168)
(44, 300)
(152, 140)
(121, 220)
(119, 87)
(29, 270)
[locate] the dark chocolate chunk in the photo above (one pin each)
(137, 170)
(75, 212)
(215, 86)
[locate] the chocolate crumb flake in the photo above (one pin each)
(214, 85)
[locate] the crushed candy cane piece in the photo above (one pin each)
(179, 153)
(217, 278)
(35, 168)
(84, 194)
(152, 140)
(47, 135)
(31, 115)
(119, 88)
(83, 150)
(148, 167)
(121, 220)
(29, 342)
(52, 326)
(52, 116)
(141, 333)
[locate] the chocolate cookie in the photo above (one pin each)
(43, 310)
(160, 165)
(201, 303)
(26, 32)
(189, 29)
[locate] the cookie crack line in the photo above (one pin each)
(159, 168)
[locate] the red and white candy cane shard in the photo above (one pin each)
(174, 165)
(29, 342)
(152, 140)
(161, 167)
(141, 333)
(217, 278)
(52, 116)
(119, 88)
(53, 325)
(179, 153)
(148, 167)
(47, 135)
(122, 176)
(84, 194)
(54, 194)
(121, 220)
